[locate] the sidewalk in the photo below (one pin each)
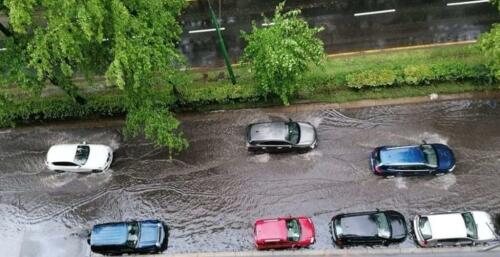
(452, 251)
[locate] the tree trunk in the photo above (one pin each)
(5, 30)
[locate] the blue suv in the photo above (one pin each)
(147, 236)
(422, 159)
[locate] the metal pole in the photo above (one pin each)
(222, 46)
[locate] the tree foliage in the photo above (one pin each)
(279, 55)
(131, 42)
(490, 44)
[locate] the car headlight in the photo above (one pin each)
(312, 240)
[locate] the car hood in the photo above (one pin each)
(445, 156)
(484, 225)
(398, 225)
(98, 156)
(150, 234)
(307, 229)
(307, 134)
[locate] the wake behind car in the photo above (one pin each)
(368, 228)
(79, 157)
(422, 159)
(453, 229)
(148, 236)
(281, 136)
(283, 233)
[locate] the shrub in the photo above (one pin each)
(373, 78)
(418, 74)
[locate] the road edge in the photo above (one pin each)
(330, 252)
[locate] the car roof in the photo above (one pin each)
(268, 131)
(449, 225)
(271, 229)
(109, 234)
(359, 224)
(62, 153)
(402, 155)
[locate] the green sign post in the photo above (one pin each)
(222, 45)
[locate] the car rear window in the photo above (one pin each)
(425, 228)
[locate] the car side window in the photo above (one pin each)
(398, 167)
(68, 164)
(274, 143)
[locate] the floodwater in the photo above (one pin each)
(413, 22)
(211, 194)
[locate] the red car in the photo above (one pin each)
(290, 232)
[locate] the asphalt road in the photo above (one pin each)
(211, 194)
(400, 23)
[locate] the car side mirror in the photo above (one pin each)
(424, 142)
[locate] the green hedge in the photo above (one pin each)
(58, 108)
(408, 68)
(418, 74)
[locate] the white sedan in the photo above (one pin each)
(79, 157)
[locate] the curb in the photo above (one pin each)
(315, 106)
(331, 252)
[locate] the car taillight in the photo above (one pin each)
(425, 242)
(378, 170)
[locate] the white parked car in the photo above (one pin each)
(79, 157)
(454, 229)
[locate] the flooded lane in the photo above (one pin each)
(412, 23)
(211, 194)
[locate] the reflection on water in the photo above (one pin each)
(210, 194)
(413, 23)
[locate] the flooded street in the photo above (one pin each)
(211, 194)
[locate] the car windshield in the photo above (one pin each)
(470, 225)
(430, 155)
(293, 229)
(82, 154)
(133, 234)
(384, 231)
(293, 132)
(425, 228)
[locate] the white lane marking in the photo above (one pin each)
(203, 30)
(374, 12)
(467, 2)
(267, 24)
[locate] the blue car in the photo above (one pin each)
(147, 236)
(434, 159)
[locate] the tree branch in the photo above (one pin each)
(5, 30)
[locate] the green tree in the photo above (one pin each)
(131, 42)
(279, 55)
(489, 43)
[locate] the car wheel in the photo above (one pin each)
(59, 171)
(97, 171)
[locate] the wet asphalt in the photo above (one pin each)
(413, 22)
(211, 194)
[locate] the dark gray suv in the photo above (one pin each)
(281, 136)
